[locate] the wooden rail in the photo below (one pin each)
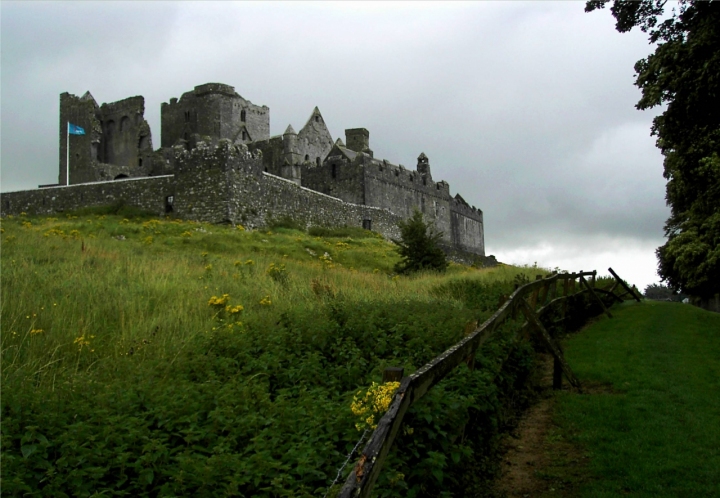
(525, 299)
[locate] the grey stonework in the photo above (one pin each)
(117, 142)
(218, 164)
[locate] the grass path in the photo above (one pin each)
(656, 430)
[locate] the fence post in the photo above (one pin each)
(602, 305)
(592, 279)
(534, 295)
(393, 374)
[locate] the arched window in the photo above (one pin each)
(307, 157)
(317, 119)
(245, 135)
(317, 161)
(242, 115)
(124, 123)
(139, 162)
(187, 116)
(334, 171)
(120, 176)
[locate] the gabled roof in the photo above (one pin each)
(88, 96)
(289, 130)
(341, 150)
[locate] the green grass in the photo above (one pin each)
(119, 377)
(657, 431)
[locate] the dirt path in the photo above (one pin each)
(537, 461)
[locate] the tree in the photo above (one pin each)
(418, 246)
(684, 74)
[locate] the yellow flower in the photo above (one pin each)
(240, 227)
(35, 331)
(234, 309)
(266, 301)
(373, 404)
(219, 301)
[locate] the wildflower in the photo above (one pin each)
(249, 262)
(265, 301)
(373, 404)
(204, 254)
(376, 270)
(35, 331)
(219, 301)
(186, 233)
(148, 240)
(234, 309)
(241, 228)
(208, 268)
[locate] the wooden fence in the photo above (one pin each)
(532, 300)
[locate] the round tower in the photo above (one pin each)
(423, 165)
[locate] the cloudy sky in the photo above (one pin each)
(526, 109)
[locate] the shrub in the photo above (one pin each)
(418, 246)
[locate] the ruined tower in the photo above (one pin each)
(214, 111)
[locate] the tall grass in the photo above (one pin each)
(108, 333)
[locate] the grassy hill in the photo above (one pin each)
(652, 429)
(146, 357)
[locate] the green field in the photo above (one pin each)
(146, 357)
(651, 423)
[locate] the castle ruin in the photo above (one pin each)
(218, 163)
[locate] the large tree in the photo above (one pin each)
(684, 74)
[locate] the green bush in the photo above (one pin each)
(418, 246)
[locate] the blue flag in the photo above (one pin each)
(75, 129)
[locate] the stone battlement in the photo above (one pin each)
(218, 163)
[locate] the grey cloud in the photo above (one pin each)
(526, 109)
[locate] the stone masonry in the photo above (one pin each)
(218, 163)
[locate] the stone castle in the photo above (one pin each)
(218, 163)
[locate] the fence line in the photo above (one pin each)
(525, 299)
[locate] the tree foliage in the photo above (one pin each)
(418, 246)
(684, 75)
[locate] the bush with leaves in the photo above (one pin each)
(418, 246)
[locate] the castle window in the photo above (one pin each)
(424, 180)
(187, 116)
(169, 204)
(242, 115)
(245, 135)
(334, 171)
(367, 224)
(317, 119)
(139, 162)
(124, 123)
(437, 186)
(397, 173)
(307, 157)
(422, 204)
(120, 176)
(317, 161)
(380, 167)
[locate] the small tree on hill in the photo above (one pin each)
(418, 246)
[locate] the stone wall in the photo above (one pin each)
(146, 193)
(84, 149)
(339, 176)
(126, 139)
(214, 110)
(228, 184)
(314, 140)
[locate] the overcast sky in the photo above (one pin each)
(526, 109)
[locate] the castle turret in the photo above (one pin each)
(358, 139)
(290, 168)
(423, 166)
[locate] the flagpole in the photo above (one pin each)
(67, 162)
